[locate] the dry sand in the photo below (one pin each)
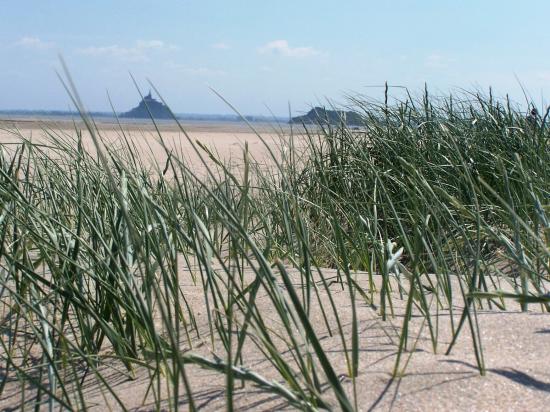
(516, 345)
(516, 353)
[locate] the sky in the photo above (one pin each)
(267, 56)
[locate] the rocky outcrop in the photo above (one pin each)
(320, 115)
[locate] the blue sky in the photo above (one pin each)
(267, 53)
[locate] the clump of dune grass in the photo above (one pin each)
(433, 201)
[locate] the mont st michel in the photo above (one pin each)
(147, 108)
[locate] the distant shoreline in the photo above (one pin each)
(110, 123)
(37, 115)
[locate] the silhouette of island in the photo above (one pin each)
(148, 107)
(320, 115)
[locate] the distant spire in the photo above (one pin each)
(148, 97)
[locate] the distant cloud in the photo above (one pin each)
(138, 52)
(154, 44)
(195, 71)
(221, 46)
(33, 43)
(282, 48)
(204, 71)
(438, 61)
(543, 75)
(125, 53)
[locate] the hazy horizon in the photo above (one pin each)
(263, 57)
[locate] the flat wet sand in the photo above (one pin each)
(227, 139)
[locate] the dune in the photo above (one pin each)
(516, 345)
